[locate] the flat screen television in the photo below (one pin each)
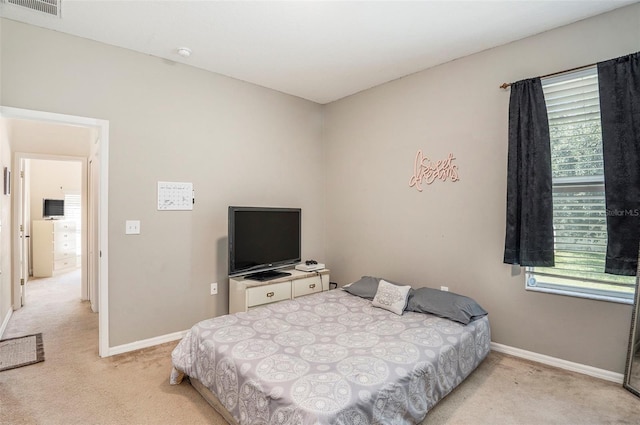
(262, 240)
(52, 208)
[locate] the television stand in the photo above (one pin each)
(245, 293)
(267, 275)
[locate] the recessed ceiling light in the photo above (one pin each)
(185, 52)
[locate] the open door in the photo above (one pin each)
(93, 235)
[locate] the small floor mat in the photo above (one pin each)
(21, 351)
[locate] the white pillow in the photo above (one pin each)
(391, 297)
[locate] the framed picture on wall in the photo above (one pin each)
(7, 181)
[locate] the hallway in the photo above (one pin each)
(74, 385)
(54, 308)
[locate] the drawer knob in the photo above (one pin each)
(313, 285)
(270, 294)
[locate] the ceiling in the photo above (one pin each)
(317, 50)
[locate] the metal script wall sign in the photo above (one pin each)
(427, 171)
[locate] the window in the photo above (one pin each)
(579, 210)
(72, 212)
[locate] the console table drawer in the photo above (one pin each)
(64, 254)
(64, 226)
(246, 293)
(63, 244)
(268, 293)
(64, 263)
(306, 286)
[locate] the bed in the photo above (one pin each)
(330, 358)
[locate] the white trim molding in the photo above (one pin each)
(607, 375)
(102, 128)
(146, 343)
(5, 322)
(500, 348)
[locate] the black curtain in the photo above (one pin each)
(529, 235)
(619, 81)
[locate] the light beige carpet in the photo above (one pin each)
(75, 386)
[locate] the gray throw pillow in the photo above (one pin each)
(366, 287)
(445, 304)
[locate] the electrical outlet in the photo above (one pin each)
(214, 289)
(132, 227)
(444, 288)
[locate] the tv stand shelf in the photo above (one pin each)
(246, 293)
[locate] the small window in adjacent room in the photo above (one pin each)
(579, 210)
(72, 212)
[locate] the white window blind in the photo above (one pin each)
(579, 209)
(73, 212)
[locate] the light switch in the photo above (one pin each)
(132, 227)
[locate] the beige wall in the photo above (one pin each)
(1, 38)
(241, 144)
(45, 138)
(238, 143)
(452, 234)
(52, 179)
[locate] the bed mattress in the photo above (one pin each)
(330, 358)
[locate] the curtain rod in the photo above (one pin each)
(505, 85)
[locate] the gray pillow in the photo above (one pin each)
(366, 287)
(445, 304)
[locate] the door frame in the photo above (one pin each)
(23, 212)
(19, 159)
(102, 147)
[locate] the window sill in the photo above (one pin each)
(597, 297)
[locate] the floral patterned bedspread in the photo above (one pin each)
(330, 358)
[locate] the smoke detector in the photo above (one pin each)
(185, 52)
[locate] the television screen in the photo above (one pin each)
(262, 240)
(52, 208)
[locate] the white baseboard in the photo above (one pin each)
(5, 322)
(501, 348)
(145, 343)
(559, 363)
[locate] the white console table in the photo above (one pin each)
(246, 293)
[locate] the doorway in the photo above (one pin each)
(95, 183)
(53, 219)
